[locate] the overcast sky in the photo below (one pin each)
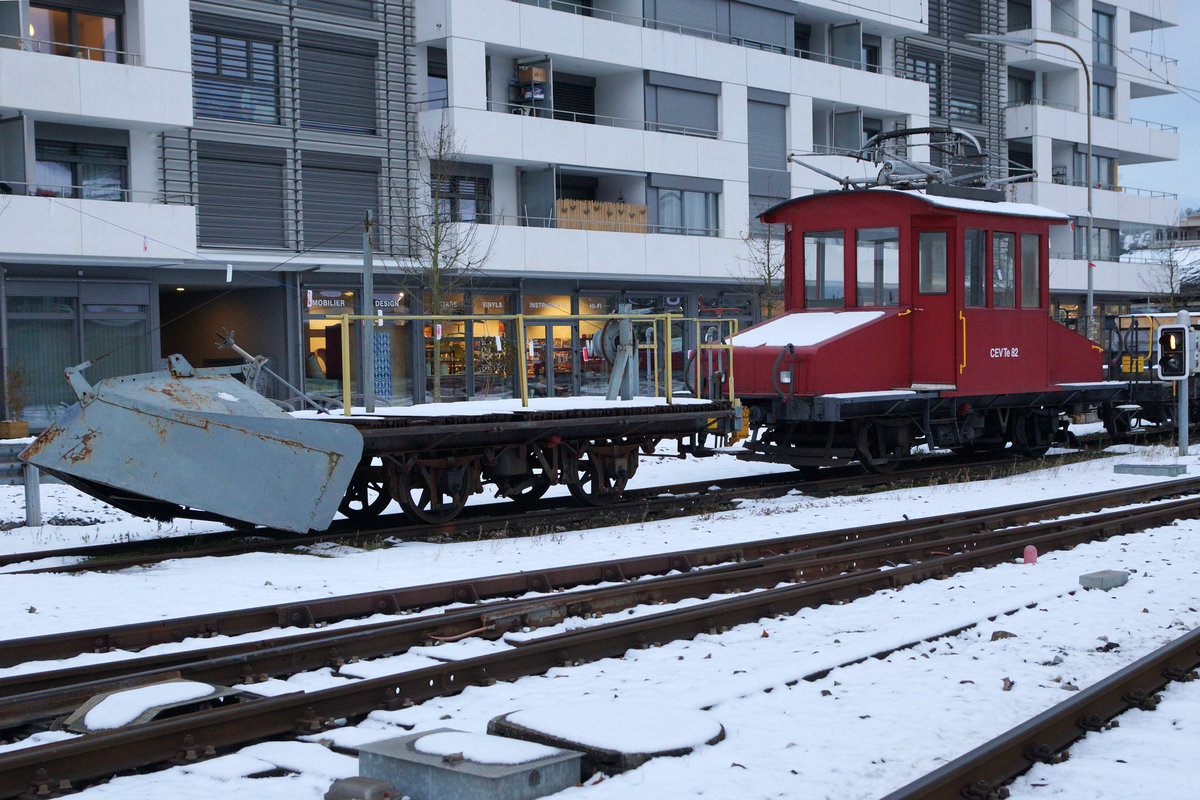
(1182, 109)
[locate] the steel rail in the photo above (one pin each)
(55, 766)
(42, 695)
(980, 773)
(135, 636)
(494, 516)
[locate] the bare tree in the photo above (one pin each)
(441, 237)
(1173, 271)
(762, 269)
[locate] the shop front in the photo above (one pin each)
(54, 324)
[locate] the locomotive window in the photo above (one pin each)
(824, 269)
(878, 266)
(1031, 290)
(933, 262)
(974, 268)
(1004, 274)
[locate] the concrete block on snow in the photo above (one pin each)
(445, 764)
(1104, 579)
(361, 789)
(1161, 470)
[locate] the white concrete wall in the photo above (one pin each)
(160, 31)
(553, 252)
(84, 92)
(53, 228)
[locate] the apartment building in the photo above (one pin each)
(1046, 127)
(174, 167)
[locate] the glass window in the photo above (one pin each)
(871, 48)
(1020, 89)
(974, 268)
(1102, 38)
(495, 352)
(1004, 276)
(1106, 242)
(235, 77)
(878, 251)
(437, 86)
(824, 269)
(76, 169)
(1020, 15)
(1104, 171)
(928, 70)
(462, 198)
(686, 212)
(66, 32)
(932, 262)
(1103, 102)
(1031, 287)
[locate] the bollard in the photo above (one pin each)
(33, 496)
(1030, 554)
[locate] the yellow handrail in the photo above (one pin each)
(665, 320)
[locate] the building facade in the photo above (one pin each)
(172, 168)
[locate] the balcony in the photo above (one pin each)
(1138, 141)
(545, 111)
(610, 254)
(92, 231)
(1150, 74)
(84, 91)
(1126, 203)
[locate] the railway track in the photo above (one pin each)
(983, 772)
(841, 566)
(660, 502)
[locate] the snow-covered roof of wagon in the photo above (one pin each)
(955, 203)
(511, 405)
(803, 329)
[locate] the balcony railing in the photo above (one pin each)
(1037, 101)
(549, 112)
(87, 192)
(1162, 126)
(31, 45)
(647, 22)
(1110, 187)
(1154, 56)
(630, 219)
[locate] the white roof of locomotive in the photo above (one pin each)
(983, 206)
(803, 329)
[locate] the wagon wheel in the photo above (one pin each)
(1033, 434)
(367, 496)
(597, 481)
(535, 485)
(433, 494)
(878, 451)
(1119, 421)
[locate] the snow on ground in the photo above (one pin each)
(862, 730)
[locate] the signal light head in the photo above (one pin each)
(1173, 357)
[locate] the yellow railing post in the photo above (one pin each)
(345, 323)
(521, 362)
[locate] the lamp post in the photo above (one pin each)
(1029, 41)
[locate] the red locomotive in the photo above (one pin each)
(912, 319)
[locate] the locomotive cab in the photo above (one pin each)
(910, 319)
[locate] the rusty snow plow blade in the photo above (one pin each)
(198, 443)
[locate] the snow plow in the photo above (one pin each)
(198, 443)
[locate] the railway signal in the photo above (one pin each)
(1174, 352)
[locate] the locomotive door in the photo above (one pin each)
(934, 344)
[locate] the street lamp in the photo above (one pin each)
(1029, 41)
